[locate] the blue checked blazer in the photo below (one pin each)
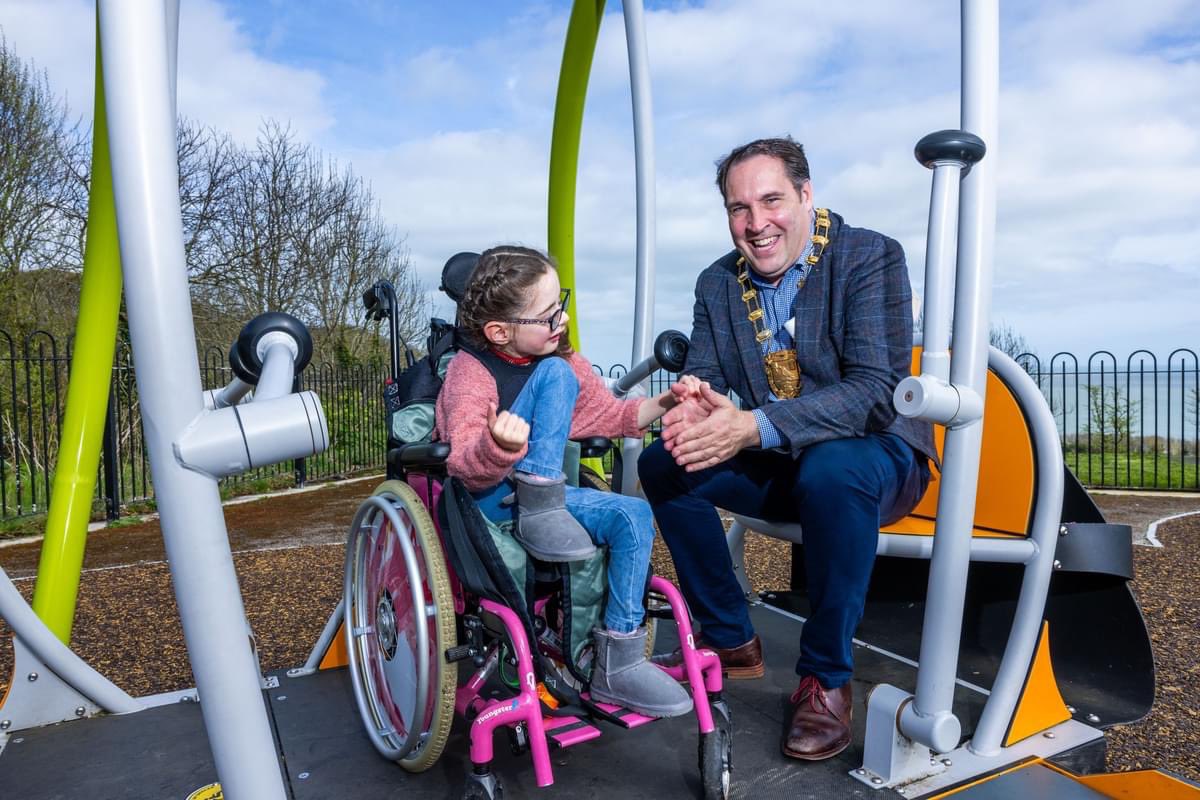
(853, 342)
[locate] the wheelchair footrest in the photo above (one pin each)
(568, 731)
(622, 716)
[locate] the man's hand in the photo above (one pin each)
(510, 431)
(707, 430)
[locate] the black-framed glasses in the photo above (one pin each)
(554, 318)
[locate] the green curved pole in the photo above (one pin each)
(87, 395)
(582, 32)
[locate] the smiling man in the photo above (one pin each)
(808, 321)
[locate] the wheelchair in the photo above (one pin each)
(430, 583)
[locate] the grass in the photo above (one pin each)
(1137, 471)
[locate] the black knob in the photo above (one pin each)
(670, 350)
(965, 148)
(243, 356)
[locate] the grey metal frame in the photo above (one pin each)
(643, 155)
(138, 43)
(902, 730)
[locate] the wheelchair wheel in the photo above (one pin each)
(716, 754)
(399, 623)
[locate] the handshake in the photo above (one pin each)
(704, 428)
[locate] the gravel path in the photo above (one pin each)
(288, 556)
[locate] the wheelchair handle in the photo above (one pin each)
(670, 353)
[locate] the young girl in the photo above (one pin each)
(512, 397)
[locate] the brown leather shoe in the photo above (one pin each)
(820, 726)
(737, 663)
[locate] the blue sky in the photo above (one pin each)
(447, 108)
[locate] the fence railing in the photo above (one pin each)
(1131, 423)
(1125, 424)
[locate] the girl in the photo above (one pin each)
(512, 397)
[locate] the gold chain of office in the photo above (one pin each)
(782, 368)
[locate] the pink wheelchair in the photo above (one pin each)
(430, 585)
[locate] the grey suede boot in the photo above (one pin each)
(544, 526)
(624, 677)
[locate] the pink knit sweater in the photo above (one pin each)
(462, 419)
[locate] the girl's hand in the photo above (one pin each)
(510, 431)
(688, 387)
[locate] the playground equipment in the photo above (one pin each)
(1014, 549)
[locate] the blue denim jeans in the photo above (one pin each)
(840, 491)
(625, 525)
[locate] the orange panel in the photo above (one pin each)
(336, 655)
(1041, 706)
(1004, 500)
(1139, 784)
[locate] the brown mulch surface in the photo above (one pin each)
(1165, 583)
(288, 554)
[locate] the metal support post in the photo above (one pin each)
(137, 67)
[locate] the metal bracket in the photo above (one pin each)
(38, 696)
(889, 757)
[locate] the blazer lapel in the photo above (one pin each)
(749, 351)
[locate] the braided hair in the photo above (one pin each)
(498, 289)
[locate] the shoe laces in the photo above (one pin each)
(810, 689)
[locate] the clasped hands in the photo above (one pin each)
(705, 428)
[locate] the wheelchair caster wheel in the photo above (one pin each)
(483, 786)
(716, 754)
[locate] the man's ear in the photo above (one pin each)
(496, 332)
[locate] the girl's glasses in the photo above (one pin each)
(554, 318)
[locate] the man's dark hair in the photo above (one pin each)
(786, 149)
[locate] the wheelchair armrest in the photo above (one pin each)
(422, 454)
(594, 446)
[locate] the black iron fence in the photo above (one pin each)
(33, 392)
(1131, 423)
(1124, 423)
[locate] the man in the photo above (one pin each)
(809, 322)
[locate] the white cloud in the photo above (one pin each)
(222, 81)
(1099, 155)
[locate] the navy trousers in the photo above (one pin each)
(840, 491)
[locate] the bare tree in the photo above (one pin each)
(43, 188)
(279, 227)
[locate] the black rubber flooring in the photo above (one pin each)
(162, 753)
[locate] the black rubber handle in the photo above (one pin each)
(965, 148)
(243, 356)
(670, 350)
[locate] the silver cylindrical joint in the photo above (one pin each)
(231, 395)
(939, 732)
(230, 441)
(927, 398)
